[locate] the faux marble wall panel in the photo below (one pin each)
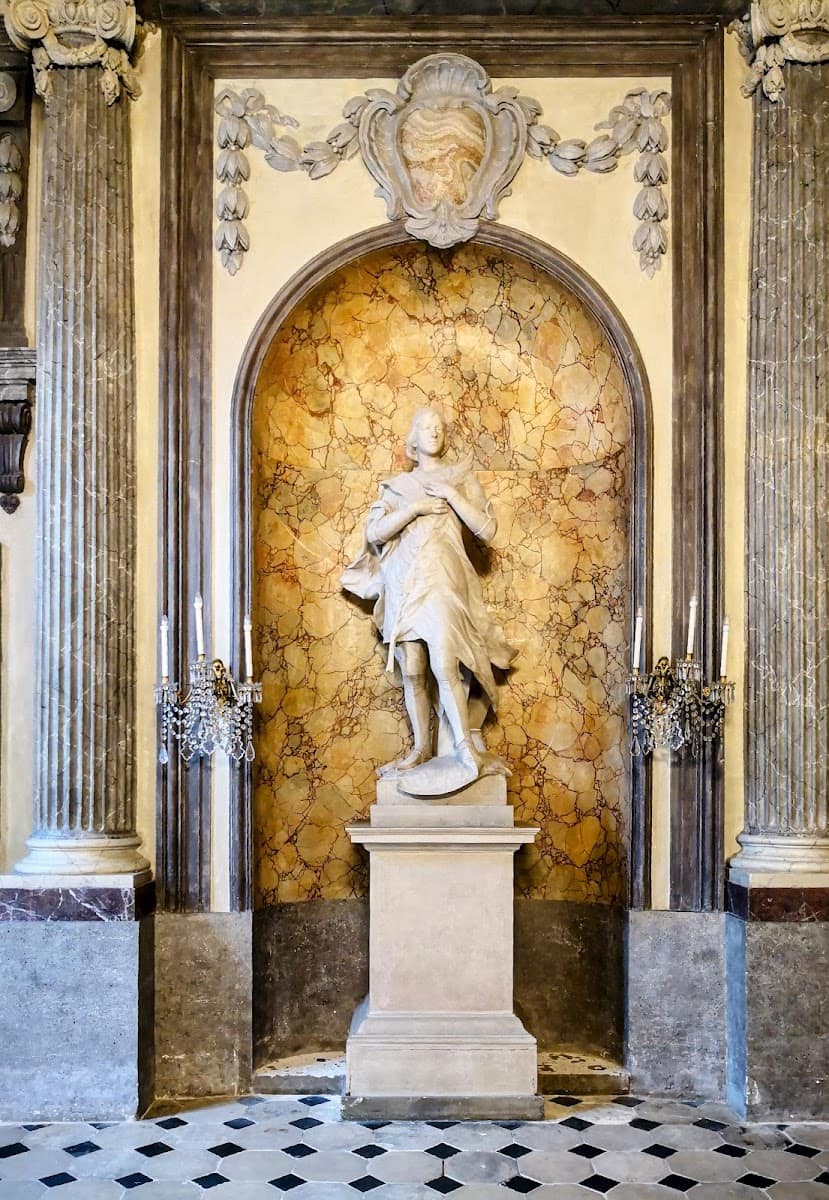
(530, 385)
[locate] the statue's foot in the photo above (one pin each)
(414, 758)
(493, 765)
(469, 756)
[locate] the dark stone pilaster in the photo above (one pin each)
(84, 818)
(778, 935)
(787, 663)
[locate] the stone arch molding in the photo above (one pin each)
(290, 296)
(443, 150)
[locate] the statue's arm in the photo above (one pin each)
(470, 505)
(382, 526)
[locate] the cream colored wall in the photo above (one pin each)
(17, 578)
(737, 189)
(146, 177)
(589, 218)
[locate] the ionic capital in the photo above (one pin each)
(76, 33)
(780, 31)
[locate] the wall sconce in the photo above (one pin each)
(672, 705)
(216, 713)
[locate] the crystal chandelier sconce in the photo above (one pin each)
(672, 705)
(216, 713)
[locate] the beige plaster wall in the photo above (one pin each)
(588, 217)
(17, 539)
(146, 176)
(738, 124)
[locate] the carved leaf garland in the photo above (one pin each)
(634, 126)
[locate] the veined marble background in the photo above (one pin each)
(529, 384)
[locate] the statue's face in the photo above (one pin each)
(431, 433)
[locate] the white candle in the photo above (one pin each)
(198, 605)
(637, 639)
(692, 626)
(165, 648)
(248, 650)
(724, 654)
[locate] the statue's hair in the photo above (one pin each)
(417, 417)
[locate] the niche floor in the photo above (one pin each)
(261, 1147)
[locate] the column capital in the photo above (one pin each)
(775, 32)
(76, 33)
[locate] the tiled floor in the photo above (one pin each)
(258, 1148)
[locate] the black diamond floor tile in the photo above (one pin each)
(367, 1184)
(521, 1185)
(706, 1123)
(599, 1183)
(374, 1124)
(752, 1179)
(153, 1149)
(803, 1151)
(312, 1101)
(823, 1177)
(81, 1149)
(641, 1123)
(14, 1148)
(306, 1123)
(575, 1123)
(239, 1123)
(441, 1124)
(514, 1151)
(731, 1151)
(444, 1185)
(299, 1150)
(212, 1180)
(586, 1151)
(509, 1124)
(175, 1123)
(101, 1124)
(659, 1151)
(628, 1101)
(441, 1150)
(680, 1183)
(285, 1182)
(134, 1180)
(32, 1128)
(250, 1101)
(567, 1101)
(225, 1149)
(369, 1151)
(57, 1180)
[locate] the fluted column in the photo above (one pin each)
(84, 819)
(786, 837)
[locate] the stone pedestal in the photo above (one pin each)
(76, 976)
(437, 1036)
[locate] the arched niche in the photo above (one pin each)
(542, 382)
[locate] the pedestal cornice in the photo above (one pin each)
(77, 33)
(775, 32)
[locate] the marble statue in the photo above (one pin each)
(430, 609)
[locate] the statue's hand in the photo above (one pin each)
(431, 508)
(436, 487)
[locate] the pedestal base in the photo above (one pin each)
(437, 1036)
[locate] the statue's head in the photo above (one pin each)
(427, 434)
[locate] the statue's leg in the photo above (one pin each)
(413, 661)
(453, 698)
